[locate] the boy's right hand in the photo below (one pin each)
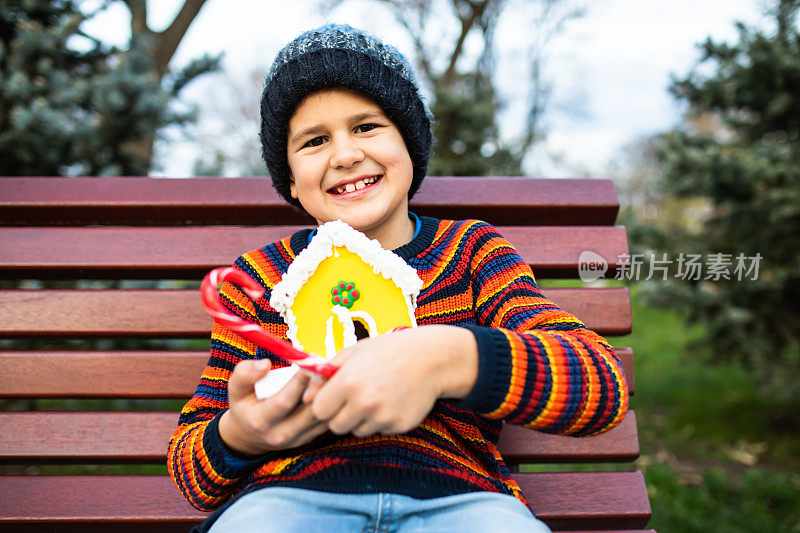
(252, 426)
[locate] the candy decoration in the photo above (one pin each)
(345, 294)
(249, 330)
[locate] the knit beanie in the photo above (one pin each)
(335, 56)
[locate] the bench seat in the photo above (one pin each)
(94, 270)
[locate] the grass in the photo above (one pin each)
(711, 459)
(712, 499)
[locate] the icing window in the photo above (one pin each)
(360, 329)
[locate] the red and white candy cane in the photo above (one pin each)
(249, 330)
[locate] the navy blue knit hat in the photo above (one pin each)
(341, 56)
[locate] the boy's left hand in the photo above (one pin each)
(389, 384)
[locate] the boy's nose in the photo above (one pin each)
(345, 153)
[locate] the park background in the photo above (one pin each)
(693, 108)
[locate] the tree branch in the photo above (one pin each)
(468, 20)
(403, 10)
(170, 38)
(138, 9)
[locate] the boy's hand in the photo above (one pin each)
(252, 426)
(389, 384)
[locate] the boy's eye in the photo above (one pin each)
(363, 128)
(316, 141)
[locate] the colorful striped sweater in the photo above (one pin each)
(539, 367)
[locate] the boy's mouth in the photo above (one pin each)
(356, 185)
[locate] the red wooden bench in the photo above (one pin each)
(178, 229)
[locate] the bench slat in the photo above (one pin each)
(563, 500)
(121, 374)
(176, 252)
(124, 374)
(253, 201)
(553, 497)
(521, 445)
(153, 312)
(111, 437)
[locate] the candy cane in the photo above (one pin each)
(249, 330)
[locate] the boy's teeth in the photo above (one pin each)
(357, 186)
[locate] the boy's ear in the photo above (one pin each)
(292, 187)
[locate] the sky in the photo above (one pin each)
(609, 70)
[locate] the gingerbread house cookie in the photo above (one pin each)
(341, 284)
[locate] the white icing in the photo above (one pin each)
(330, 235)
(330, 345)
(349, 333)
(348, 330)
(345, 317)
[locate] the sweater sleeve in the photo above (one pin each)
(539, 366)
(205, 470)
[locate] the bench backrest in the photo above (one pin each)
(101, 278)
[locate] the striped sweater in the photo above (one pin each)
(539, 367)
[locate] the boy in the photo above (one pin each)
(403, 437)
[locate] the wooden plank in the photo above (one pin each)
(101, 374)
(589, 500)
(162, 526)
(521, 445)
(124, 374)
(598, 500)
(143, 201)
(103, 313)
(121, 252)
(176, 252)
(47, 500)
(626, 356)
(111, 437)
(153, 312)
(253, 201)
(510, 201)
(86, 437)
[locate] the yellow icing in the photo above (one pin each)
(380, 297)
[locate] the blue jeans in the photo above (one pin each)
(284, 510)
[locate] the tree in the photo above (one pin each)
(465, 101)
(740, 154)
(70, 104)
(467, 135)
(159, 48)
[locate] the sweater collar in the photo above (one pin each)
(421, 241)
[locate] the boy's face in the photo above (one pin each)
(349, 161)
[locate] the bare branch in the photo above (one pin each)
(170, 38)
(413, 15)
(549, 22)
(488, 24)
(138, 9)
(469, 14)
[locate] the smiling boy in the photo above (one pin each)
(403, 437)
